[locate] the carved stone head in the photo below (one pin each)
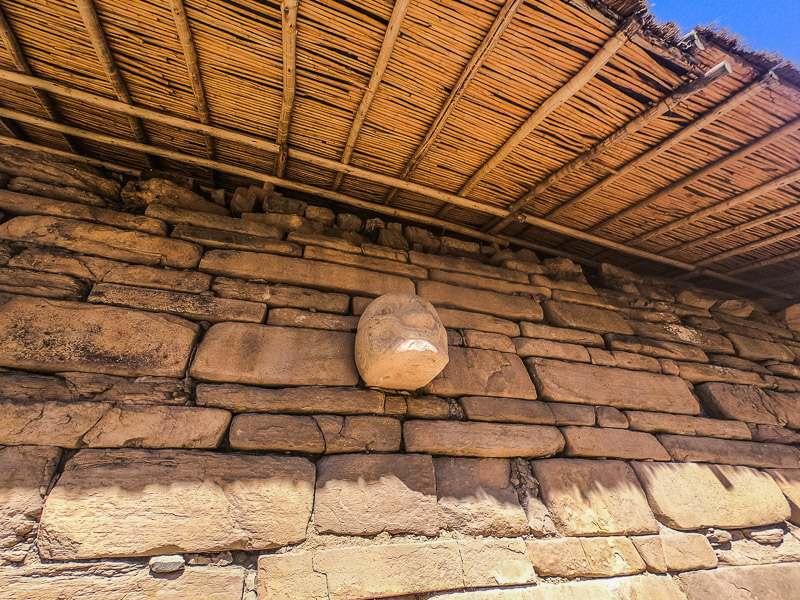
(401, 343)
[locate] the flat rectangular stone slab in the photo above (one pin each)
(475, 372)
(751, 404)
(588, 318)
(593, 497)
(691, 496)
(482, 301)
(589, 384)
(684, 448)
(49, 335)
(300, 400)
(612, 443)
(62, 424)
(275, 356)
(143, 502)
(771, 582)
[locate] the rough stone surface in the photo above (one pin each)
(301, 400)
(102, 240)
(489, 562)
(465, 265)
(482, 301)
(572, 414)
(474, 372)
(48, 285)
(672, 332)
(507, 410)
(166, 563)
(142, 426)
(755, 349)
(293, 317)
(789, 482)
(527, 347)
(49, 335)
(58, 261)
(701, 373)
(364, 262)
(730, 452)
(490, 440)
(561, 334)
(588, 318)
(143, 502)
(401, 343)
(751, 404)
(692, 496)
(676, 552)
(368, 494)
(773, 582)
(281, 295)
(178, 216)
(276, 433)
(31, 187)
(612, 443)
(163, 279)
(476, 497)
(653, 422)
(624, 360)
(487, 283)
(585, 557)
(359, 434)
(489, 341)
(233, 240)
(275, 356)
(590, 384)
(459, 319)
(655, 348)
(302, 272)
(167, 193)
(61, 424)
(590, 497)
(608, 416)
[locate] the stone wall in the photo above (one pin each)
(181, 415)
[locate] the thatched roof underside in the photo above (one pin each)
(538, 47)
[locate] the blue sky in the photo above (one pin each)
(764, 24)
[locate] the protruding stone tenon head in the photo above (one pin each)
(401, 343)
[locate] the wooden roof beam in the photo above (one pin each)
(765, 262)
(101, 48)
(755, 245)
(645, 118)
(348, 200)
(549, 106)
(719, 207)
(487, 45)
(747, 93)
(193, 68)
(11, 43)
(385, 54)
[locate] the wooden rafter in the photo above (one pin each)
(744, 249)
(193, 68)
(487, 45)
(765, 262)
(748, 93)
(289, 45)
(11, 43)
(549, 106)
(694, 176)
(623, 133)
(342, 198)
(719, 207)
(101, 48)
(385, 54)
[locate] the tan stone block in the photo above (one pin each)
(55, 423)
(50, 335)
(672, 332)
(276, 433)
(751, 404)
(285, 222)
(526, 347)
(489, 341)
(651, 550)
(25, 473)
(572, 414)
(275, 356)
(119, 581)
(383, 252)
(654, 422)
(490, 440)
(142, 390)
(730, 452)
(63, 262)
(700, 373)
(47, 285)
(290, 576)
(465, 265)
(585, 557)
(775, 582)
(620, 388)
(592, 299)
(366, 494)
(302, 272)
(102, 240)
(197, 307)
(473, 372)
(162, 279)
(377, 571)
(139, 502)
(325, 241)
(396, 406)
(560, 334)
(293, 317)
(588, 318)
(178, 216)
(688, 552)
(556, 283)
(476, 497)
(624, 360)
(755, 349)
(507, 410)
(482, 301)
(487, 283)
(142, 426)
(359, 434)
(655, 348)
(596, 442)
(692, 496)
(592, 497)
(365, 262)
(789, 482)
(427, 407)
(608, 416)
(773, 433)
(559, 557)
(157, 190)
(276, 296)
(232, 240)
(488, 562)
(301, 400)
(459, 319)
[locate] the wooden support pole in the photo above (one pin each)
(348, 200)
(11, 43)
(748, 93)
(623, 133)
(389, 39)
(101, 48)
(607, 51)
(767, 241)
(765, 262)
(499, 26)
(193, 68)
(751, 194)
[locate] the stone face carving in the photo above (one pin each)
(401, 342)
